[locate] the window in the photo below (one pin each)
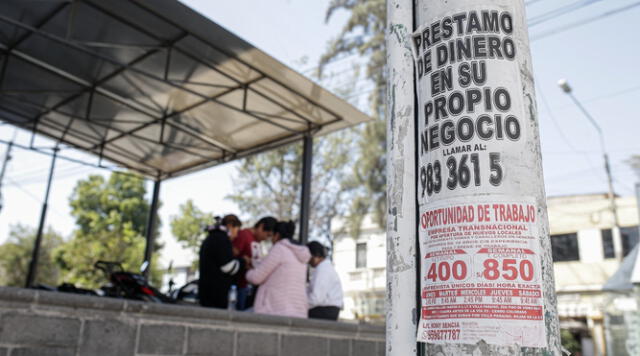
(565, 247)
(369, 307)
(378, 306)
(629, 238)
(378, 272)
(361, 255)
(607, 244)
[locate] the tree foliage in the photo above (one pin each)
(569, 342)
(15, 256)
(349, 175)
(187, 226)
(270, 183)
(111, 217)
(364, 34)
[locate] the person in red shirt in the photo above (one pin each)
(247, 245)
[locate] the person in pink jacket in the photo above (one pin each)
(282, 276)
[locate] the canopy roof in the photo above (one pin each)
(152, 85)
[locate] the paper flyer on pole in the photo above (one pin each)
(479, 236)
(480, 272)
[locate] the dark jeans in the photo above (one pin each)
(244, 298)
(328, 313)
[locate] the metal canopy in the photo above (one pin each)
(152, 85)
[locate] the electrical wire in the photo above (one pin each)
(623, 185)
(605, 96)
(22, 189)
(39, 174)
(58, 176)
(572, 25)
(534, 21)
(620, 150)
(34, 197)
(575, 174)
(113, 169)
(614, 94)
(560, 11)
(565, 139)
(333, 61)
(582, 174)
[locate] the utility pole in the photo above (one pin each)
(402, 268)
(463, 128)
(564, 85)
(637, 191)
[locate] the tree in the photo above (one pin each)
(111, 219)
(270, 183)
(363, 183)
(364, 34)
(187, 226)
(569, 342)
(15, 256)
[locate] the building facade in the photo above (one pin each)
(361, 264)
(587, 251)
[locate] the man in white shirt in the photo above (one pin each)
(325, 289)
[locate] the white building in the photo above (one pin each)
(586, 251)
(586, 254)
(361, 264)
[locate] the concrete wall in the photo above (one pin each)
(38, 323)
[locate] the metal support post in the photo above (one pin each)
(305, 194)
(33, 265)
(151, 227)
(7, 158)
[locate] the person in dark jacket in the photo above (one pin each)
(218, 267)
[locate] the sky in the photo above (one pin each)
(599, 59)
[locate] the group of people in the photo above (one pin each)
(268, 283)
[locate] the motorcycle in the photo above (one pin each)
(129, 285)
(187, 294)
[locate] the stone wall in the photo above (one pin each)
(39, 323)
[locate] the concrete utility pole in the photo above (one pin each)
(402, 303)
(463, 139)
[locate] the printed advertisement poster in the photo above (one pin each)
(479, 236)
(480, 273)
